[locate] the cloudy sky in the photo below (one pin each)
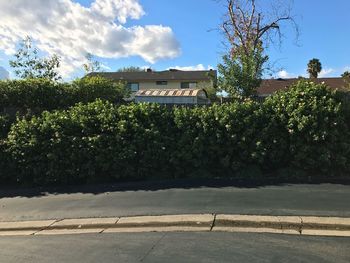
(164, 34)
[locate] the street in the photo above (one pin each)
(152, 198)
(161, 198)
(174, 247)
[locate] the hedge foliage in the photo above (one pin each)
(304, 128)
(37, 95)
(5, 125)
(312, 120)
(92, 142)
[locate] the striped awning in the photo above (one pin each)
(170, 93)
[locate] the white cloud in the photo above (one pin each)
(70, 30)
(4, 74)
(284, 74)
(105, 67)
(287, 75)
(122, 9)
(326, 72)
(189, 68)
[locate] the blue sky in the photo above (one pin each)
(185, 38)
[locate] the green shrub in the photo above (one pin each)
(146, 136)
(218, 139)
(89, 89)
(302, 131)
(5, 124)
(37, 95)
(344, 97)
(93, 142)
(30, 94)
(312, 127)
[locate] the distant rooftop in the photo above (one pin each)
(269, 86)
(151, 75)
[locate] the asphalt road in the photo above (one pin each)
(158, 199)
(174, 247)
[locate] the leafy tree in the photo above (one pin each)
(241, 73)
(248, 32)
(314, 67)
(346, 75)
(92, 65)
(131, 69)
(29, 65)
(346, 78)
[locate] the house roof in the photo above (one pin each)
(167, 75)
(269, 86)
(171, 93)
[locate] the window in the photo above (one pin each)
(162, 82)
(188, 85)
(133, 86)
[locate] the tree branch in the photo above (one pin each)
(237, 30)
(272, 25)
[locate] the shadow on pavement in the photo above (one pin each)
(155, 185)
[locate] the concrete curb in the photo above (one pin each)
(301, 225)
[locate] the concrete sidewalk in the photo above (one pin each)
(162, 199)
(297, 225)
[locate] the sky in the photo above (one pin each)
(164, 34)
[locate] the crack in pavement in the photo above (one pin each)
(103, 230)
(44, 228)
(150, 250)
(301, 225)
(213, 223)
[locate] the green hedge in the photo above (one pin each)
(312, 123)
(94, 142)
(32, 96)
(5, 125)
(5, 160)
(217, 140)
(304, 128)
(37, 95)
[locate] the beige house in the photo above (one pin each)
(169, 79)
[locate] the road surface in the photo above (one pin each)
(174, 247)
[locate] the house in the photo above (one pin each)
(269, 86)
(169, 79)
(173, 96)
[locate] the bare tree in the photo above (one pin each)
(247, 27)
(91, 65)
(249, 30)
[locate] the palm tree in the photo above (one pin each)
(314, 67)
